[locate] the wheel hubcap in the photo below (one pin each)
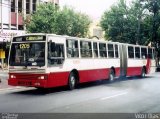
(72, 81)
(111, 77)
(143, 74)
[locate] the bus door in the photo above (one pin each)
(123, 59)
(56, 51)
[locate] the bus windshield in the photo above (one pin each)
(27, 54)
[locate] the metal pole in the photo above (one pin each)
(2, 60)
(1, 18)
(17, 15)
(9, 15)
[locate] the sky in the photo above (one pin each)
(93, 8)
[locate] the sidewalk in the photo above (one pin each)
(4, 79)
(3, 70)
(4, 84)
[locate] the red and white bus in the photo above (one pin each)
(49, 60)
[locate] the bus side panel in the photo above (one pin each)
(117, 71)
(93, 75)
(134, 71)
(56, 79)
(153, 66)
(97, 74)
(148, 65)
(135, 66)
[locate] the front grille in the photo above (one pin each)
(27, 77)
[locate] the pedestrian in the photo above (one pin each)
(0, 80)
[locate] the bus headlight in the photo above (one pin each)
(42, 77)
(13, 76)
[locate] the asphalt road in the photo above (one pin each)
(131, 95)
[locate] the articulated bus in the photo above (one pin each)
(49, 60)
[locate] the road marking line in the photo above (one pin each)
(114, 96)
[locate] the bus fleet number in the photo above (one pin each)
(24, 46)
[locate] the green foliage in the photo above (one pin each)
(132, 24)
(72, 23)
(43, 20)
(122, 22)
(51, 19)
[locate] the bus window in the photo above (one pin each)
(27, 54)
(110, 51)
(72, 48)
(86, 49)
(137, 52)
(56, 54)
(143, 53)
(150, 53)
(116, 51)
(102, 50)
(130, 52)
(95, 49)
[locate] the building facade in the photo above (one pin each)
(95, 31)
(12, 15)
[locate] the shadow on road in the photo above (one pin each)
(39, 92)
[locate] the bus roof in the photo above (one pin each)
(77, 38)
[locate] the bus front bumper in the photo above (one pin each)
(28, 83)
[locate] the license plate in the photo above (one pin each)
(24, 83)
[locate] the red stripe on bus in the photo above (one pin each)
(134, 71)
(56, 79)
(148, 65)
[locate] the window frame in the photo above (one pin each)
(139, 53)
(76, 49)
(111, 51)
(131, 54)
(103, 51)
(95, 50)
(87, 51)
(142, 56)
(55, 57)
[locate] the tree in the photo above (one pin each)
(154, 8)
(120, 23)
(114, 23)
(124, 23)
(51, 19)
(72, 23)
(43, 20)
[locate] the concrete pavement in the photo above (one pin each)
(132, 95)
(3, 79)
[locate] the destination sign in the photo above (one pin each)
(29, 38)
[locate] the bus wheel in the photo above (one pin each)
(111, 75)
(143, 73)
(72, 81)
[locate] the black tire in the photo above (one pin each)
(72, 81)
(143, 73)
(41, 89)
(111, 75)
